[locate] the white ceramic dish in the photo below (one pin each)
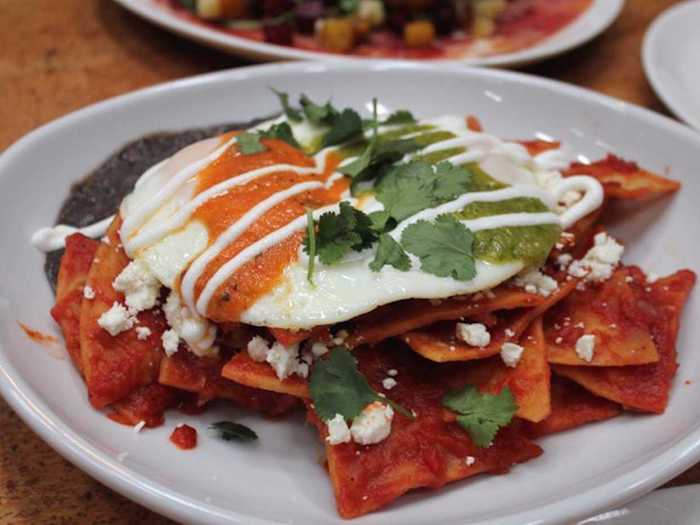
(670, 55)
(676, 506)
(280, 480)
(601, 14)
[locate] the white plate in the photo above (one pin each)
(280, 478)
(676, 506)
(598, 17)
(671, 57)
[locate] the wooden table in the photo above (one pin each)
(58, 56)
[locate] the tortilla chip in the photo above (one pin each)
(115, 366)
(611, 313)
(427, 452)
(75, 265)
(202, 376)
(643, 387)
(398, 318)
(625, 180)
(147, 403)
(528, 381)
(243, 370)
(439, 343)
(572, 406)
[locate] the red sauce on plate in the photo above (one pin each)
(184, 437)
(37, 336)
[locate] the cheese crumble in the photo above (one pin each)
(116, 320)
(88, 292)
(373, 425)
(585, 347)
(338, 431)
(474, 334)
(511, 354)
(535, 282)
(600, 261)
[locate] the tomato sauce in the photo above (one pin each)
(37, 336)
(184, 437)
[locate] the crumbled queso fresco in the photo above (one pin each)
(371, 426)
(474, 334)
(585, 347)
(535, 282)
(511, 354)
(600, 261)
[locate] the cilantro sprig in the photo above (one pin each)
(231, 431)
(415, 186)
(482, 415)
(444, 247)
(338, 387)
(339, 233)
(249, 143)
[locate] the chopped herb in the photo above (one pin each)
(400, 117)
(481, 414)
(339, 233)
(310, 241)
(292, 114)
(282, 131)
(230, 431)
(345, 126)
(390, 252)
(317, 114)
(409, 188)
(444, 247)
(249, 143)
(348, 6)
(338, 387)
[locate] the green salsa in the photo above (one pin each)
(530, 244)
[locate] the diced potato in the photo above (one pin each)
(420, 33)
(372, 12)
(336, 34)
(217, 9)
(483, 27)
(489, 8)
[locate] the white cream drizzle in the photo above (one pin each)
(252, 251)
(54, 238)
(193, 274)
(480, 148)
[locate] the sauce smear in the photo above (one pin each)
(184, 437)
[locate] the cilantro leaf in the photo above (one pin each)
(230, 431)
(310, 241)
(339, 233)
(390, 252)
(481, 414)
(409, 188)
(344, 126)
(315, 113)
(444, 247)
(249, 143)
(348, 6)
(292, 114)
(382, 221)
(338, 387)
(281, 131)
(400, 117)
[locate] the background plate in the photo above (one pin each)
(671, 58)
(601, 14)
(280, 479)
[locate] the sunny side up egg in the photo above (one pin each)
(225, 229)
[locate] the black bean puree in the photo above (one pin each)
(100, 193)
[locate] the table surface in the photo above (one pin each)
(60, 56)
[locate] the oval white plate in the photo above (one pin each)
(601, 14)
(671, 57)
(280, 478)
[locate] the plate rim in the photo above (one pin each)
(651, 39)
(242, 47)
(169, 502)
